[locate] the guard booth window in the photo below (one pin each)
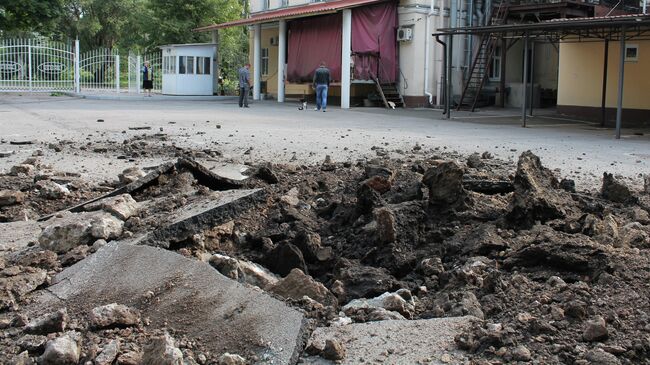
(169, 64)
(203, 65)
(186, 65)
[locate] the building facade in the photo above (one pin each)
(363, 41)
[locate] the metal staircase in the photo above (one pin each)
(390, 94)
(375, 71)
(478, 72)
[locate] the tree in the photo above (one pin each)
(172, 21)
(29, 15)
(101, 23)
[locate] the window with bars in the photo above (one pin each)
(265, 61)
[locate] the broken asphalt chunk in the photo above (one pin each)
(232, 317)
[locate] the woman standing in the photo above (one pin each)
(147, 78)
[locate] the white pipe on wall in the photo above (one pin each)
(441, 24)
(427, 41)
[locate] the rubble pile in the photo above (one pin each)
(509, 262)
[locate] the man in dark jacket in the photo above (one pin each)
(244, 85)
(321, 84)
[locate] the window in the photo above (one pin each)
(182, 64)
(203, 65)
(285, 3)
(265, 4)
(169, 64)
(631, 52)
(495, 66)
(265, 61)
(186, 64)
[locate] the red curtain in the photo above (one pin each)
(373, 38)
(312, 40)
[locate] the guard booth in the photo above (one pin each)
(188, 69)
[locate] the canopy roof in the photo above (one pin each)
(605, 27)
(292, 12)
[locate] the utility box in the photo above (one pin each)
(188, 69)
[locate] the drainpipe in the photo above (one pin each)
(426, 54)
(480, 14)
(444, 78)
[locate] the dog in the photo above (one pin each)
(303, 104)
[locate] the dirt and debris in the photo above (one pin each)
(540, 270)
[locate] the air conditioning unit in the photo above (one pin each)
(274, 41)
(404, 34)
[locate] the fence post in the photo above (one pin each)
(77, 76)
(29, 62)
(117, 72)
(138, 62)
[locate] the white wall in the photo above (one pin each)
(188, 84)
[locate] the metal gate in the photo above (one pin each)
(155, 60)
(38, 65)
(136, 62)
(44, 65)
(100, 70)
(134, 73)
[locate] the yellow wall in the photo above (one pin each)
(272, 77)
(581, 69)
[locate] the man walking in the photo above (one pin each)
(321, 84)
(244, 85)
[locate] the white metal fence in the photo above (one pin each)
(41, 65)
(136, 62)
(100, 70)
(155, 61)
(37, 65)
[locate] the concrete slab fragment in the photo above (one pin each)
(197, 216)
(205, 176)
(189, 297)
(16, 235)
(232, 171)
(423, 341)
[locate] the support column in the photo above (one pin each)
(621, 74)
(138, 74)
(282, 55)
(532, 76)
(117, 73)
(603, 100)
(215, 62)
(502, 72)
(257, 61)
(449, 71)
(77, 72)
(523, 83)
(346, 54)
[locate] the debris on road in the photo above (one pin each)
(428, 258)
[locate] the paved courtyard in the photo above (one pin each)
(281, 133)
